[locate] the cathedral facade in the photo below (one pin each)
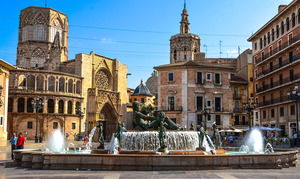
(74, 93)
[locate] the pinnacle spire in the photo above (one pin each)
(184, 24)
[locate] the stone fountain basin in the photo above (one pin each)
(141, 162)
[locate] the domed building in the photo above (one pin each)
(73, 94)
(143, 95)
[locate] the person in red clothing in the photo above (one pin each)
(21, 141)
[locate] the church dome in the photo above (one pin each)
(141, 90)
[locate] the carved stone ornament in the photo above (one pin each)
(102, 80)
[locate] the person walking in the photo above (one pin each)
(21, 141)
(13, 143)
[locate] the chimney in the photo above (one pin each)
(281, 8)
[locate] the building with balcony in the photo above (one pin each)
(4, 81)
(75, 93)
(276, 63)
(191, 83)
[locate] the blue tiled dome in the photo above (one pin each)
(142, 90)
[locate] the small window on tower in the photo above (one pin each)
(175, 55)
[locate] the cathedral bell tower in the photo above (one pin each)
(43, 38)
(185, 45)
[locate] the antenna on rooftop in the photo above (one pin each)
(184, 4)
(220, 43)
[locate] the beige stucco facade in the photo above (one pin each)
(276, 66)
(4, 81)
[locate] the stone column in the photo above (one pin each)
(45, 110)
(25, 105)
(15, 104)
(35, 83)
(55, 105)
(65, 107)
(74, 107)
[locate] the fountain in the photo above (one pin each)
(56, 142)
(153, 147)
(255, 141)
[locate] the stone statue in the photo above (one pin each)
(162, 137)
(147, 121)
(201, 135)
(192, 127)
(120, 131)
(101, 138)
(216, 136)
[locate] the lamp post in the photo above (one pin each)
(37, 104)
(294, 95)
(205, 112)
(80, 113)
(249, 107)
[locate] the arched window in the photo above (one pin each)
(277, 31)
(175, 55)
(29, 105)
(38, 58)
(269, 38)
(21, 105)
(287, 22)
(40, 83)
(70, 107)
(293, 20)
(56, 30)
(78, 107)
(61, 84)
(61, 106)
(78, 87)
(22, 81)
(70, 86)
(265, 40)
(10, 104)
(282, 28)
(31, 82)
(273, 35)
(50, 106)
(51, 83)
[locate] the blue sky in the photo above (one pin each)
(137, 32)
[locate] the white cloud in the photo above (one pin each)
(107, 41)
(232, 53)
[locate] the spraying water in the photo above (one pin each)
(91, 135)
(255, 141)
(56, 142)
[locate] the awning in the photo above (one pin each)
(266, 128)
(232, 130)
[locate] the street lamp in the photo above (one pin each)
(205, 112)
(294, 95)
(37, 104)
(80, 113)
(249, 107)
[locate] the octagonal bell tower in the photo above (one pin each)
(43, 38)
(185, 45)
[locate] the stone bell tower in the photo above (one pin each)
(43, 38)
(185, 45)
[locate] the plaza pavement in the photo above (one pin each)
(17, 173)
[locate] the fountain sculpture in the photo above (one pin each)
(156, 144)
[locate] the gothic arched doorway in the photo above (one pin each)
(110, 120)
